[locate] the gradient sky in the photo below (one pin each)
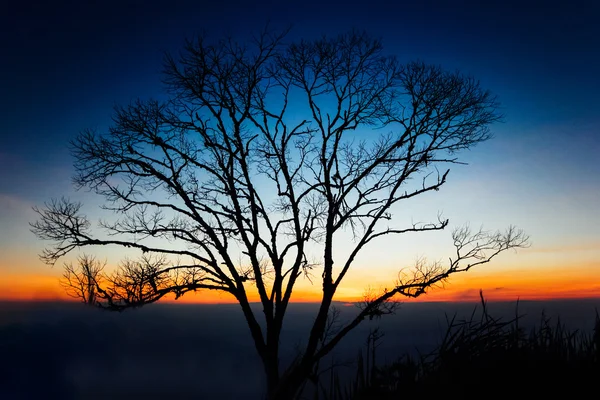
(65, 64)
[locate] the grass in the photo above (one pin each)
(480, 358)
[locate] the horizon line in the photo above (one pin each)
(343, 302)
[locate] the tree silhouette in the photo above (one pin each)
(83, 280)
(261, 156)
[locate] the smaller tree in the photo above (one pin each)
(82, 280)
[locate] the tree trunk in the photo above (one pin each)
(272, 372)
(289, 385)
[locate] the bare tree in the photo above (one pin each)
(262, 155)
(83, 279)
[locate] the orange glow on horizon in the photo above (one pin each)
(31, 288)
(496, 285)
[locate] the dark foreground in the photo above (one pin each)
(66, 351)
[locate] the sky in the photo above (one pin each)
(66, 64)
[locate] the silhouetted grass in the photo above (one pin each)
(484, 357)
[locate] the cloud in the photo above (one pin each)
(10, 202)
(9, 160)
(15, 236)
(15, 215)
(564, 248)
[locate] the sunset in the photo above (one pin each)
(372, 156)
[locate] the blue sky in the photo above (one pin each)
(65, 64)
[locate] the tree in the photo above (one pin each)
(262, 152)
(83, 280)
